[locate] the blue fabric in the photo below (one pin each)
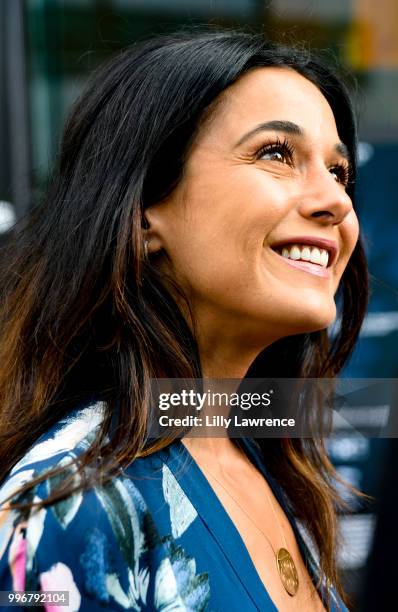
(155, 537)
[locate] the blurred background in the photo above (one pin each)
(49, 47)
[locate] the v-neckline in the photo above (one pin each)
(212, 512)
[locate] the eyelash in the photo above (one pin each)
(342, 170)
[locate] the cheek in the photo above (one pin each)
(231, 209)
(221, 222)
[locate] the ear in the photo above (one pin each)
(153, 228)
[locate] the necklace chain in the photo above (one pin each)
(286, 568)
(248, 515)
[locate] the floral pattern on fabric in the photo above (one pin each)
(182, 512)
(153, 538)
(101, 545)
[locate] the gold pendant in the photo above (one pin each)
(287, 571)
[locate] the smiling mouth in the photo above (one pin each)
(307, 257)
(304, 252)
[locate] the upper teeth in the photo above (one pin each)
(306, 253)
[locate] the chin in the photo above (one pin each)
(316, 320)
(305, 316)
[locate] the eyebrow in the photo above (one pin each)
(288, 127)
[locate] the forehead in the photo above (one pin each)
(266, 94)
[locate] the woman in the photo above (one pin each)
(199, 224)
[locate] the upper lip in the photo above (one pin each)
(323, 243)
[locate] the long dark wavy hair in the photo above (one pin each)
(84, 314)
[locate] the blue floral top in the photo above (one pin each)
(155, 537)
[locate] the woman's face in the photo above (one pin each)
(266, 172)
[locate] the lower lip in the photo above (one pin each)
(311, 268)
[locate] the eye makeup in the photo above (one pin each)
(283, 151)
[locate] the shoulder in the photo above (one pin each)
(85, 543)
(59, 447)
(69, 436)
(101, 544)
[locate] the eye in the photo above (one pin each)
(341, 173)
(281, 152)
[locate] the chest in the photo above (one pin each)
(264, 528)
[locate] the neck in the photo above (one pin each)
(220, 454)
(225, 353)
(205, 449)
(226, 357)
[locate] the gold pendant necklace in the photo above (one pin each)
(284, 562)
(287, 571)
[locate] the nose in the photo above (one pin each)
(325, 199)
